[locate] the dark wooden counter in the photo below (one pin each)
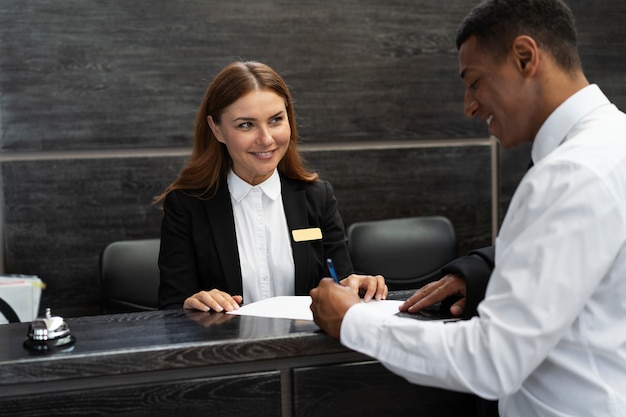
(166, 363)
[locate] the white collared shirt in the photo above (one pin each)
(550, 339)
(265, 254)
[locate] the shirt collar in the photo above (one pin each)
(554, 130)
(239, 189)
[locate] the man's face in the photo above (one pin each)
(497, 92)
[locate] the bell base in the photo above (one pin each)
(62, 344)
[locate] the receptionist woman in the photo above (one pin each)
(246, 220)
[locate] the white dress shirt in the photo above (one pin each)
(265, 254)
(550, 339)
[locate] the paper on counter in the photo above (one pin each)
(299, 307)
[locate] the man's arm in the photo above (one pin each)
(461, 288)
(475, 268)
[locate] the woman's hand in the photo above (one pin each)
(368, 285)
(213, 300)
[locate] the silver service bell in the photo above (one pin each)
(49, 333)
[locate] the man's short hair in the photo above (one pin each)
(496, 24)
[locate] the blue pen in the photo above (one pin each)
(331, 268)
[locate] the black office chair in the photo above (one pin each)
(409, 252)
(129, 276)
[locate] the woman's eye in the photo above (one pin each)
(276, 120)
(245, 125)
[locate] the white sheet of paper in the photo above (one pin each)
(299, 307)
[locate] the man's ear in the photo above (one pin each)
(526, 54)
(215, 128)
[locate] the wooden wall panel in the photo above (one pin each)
(453, 181)
(119, 74)
(60, 214)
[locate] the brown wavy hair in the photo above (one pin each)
(210, 161)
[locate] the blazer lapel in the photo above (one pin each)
(294, 202)
(219, 212)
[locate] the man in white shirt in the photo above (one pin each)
(550, 335)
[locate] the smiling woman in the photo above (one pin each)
(225, 97)
(244, 187)
(256, 132)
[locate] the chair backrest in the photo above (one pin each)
(409, 252)
(129, 276)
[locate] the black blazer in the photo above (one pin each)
(199, 246)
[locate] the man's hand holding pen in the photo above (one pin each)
(330, 302)
(368, 286)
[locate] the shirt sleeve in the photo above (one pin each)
(562, 233)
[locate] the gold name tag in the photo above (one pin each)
(304, 235)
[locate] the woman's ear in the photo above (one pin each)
(526, 54)
(215, 128)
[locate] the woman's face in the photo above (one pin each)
(256, 132)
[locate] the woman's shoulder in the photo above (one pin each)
(319, 186)
(194, 196)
